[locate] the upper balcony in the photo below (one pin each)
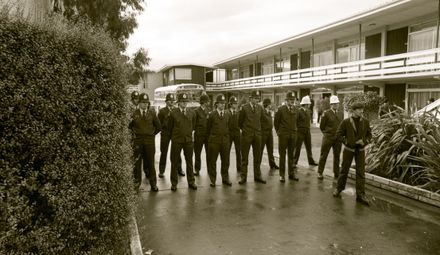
(407, 66)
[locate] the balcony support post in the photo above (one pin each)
(437, 35)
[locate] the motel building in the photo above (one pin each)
(392, 49)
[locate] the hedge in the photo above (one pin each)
(65, 154)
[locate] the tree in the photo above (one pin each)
(117, 17)
(138, 65)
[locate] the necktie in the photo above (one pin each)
(221, 114)
(143, 114)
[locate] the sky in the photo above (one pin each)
(208, 31)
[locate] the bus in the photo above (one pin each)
(193, 90)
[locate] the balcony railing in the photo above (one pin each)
(406, 65)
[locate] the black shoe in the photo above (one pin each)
(227, 183)
(282, 179)
(212, 184)
(242, 181)
(336, 193)
(336, 176)
(192, 186)
(154, 189)
(363, 200)
(181, 173)
(320, 177)
(161, 175)
(173, 188)
(260, 180)
(275, 167)
(293, 178)
(313, 163)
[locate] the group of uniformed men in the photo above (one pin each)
(249, 125)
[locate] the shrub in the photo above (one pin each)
(65, 154)
(371, 101)
(405, 149)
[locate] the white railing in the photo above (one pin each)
(412, 64)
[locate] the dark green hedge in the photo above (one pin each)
(65, 180)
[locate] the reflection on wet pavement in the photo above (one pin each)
(282, 218)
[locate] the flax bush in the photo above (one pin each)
(406, 149)
(65, 180)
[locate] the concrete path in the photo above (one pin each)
(282, 218)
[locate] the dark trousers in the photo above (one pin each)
(304, 136)
(246, 142)
(328, 143)
(236, 140)
(214, 150)
(286, 144)
(144, 149)
(176, 149)
(267, 141)
(199, 142)
(164, 144)
(347, 158)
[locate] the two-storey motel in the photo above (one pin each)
(392, 49)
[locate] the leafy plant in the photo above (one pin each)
(65, 169)
(405, 149)
(370, 99)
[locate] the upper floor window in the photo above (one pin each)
(349, 51)
(171, 75)
(183, 73)
(422, 36)
(234, 74)
(244, 72)
(323, 57)
(268, 67)
(282, 64)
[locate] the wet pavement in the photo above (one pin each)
(282, 218)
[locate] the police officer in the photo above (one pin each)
(355, 133)
(165, 136)
(200, 134)
(234, 131)
(134, 104)
(330, 121)
(145, 125)
(218, 142)
(267, 135)
(304, 135)
(181, 125)
(249, 121)
(134, 100)
(285, 123)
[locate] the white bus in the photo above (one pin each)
(193, 90)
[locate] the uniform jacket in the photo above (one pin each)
(348, 134)
(329, 123)
(266, 122)
(181, 125)
(286, 121)
(164, 115)
(303, 119)
(234, 129)
(201, 122)
(145, 126)
(218, 127)
(250, 120)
